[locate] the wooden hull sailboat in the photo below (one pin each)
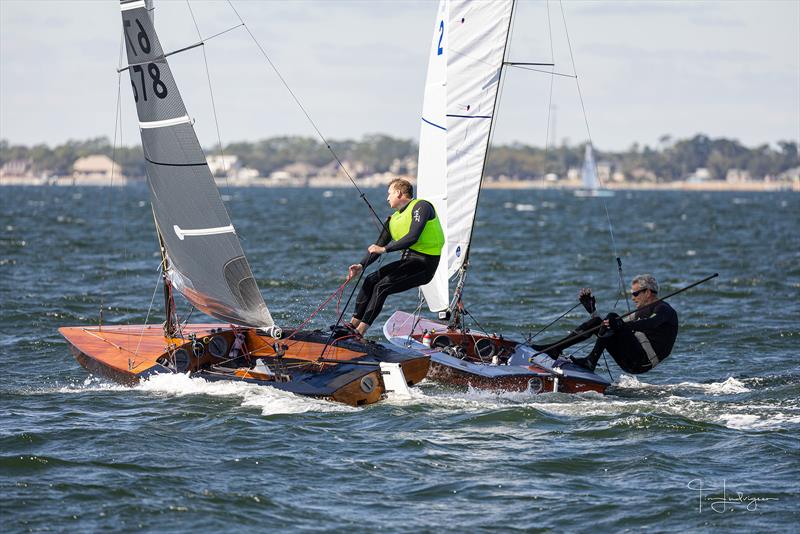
(487, 361)
(592, 188)
(465, 65)
(202, 259)
(351, 372)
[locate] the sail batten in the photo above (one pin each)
(206, 261)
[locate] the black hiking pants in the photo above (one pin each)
(413, 270)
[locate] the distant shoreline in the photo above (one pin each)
(766, 187)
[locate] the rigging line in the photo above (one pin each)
(162, 57)
(591, 142)
(189, 316)
(207, 39)
(117, 112)
(308, 117)
(544, 71)
(338, 291)
(550, 94)
(344, 309)
(213, 103)
(492, 128)
(551, 323)
(149, 309)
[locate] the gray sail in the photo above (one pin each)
(206, 261)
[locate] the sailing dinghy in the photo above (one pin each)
(465, 65)
(591, 183)
(202, 259)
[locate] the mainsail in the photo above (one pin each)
(472, 36)
(206, 261)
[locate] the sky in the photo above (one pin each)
(645, 70)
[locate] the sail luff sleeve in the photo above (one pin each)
(207, 263)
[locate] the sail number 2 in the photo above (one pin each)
(159, 88)
(439, 48)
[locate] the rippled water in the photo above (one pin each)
(81, 453)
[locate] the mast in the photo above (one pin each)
(456, 305)
(171, 316)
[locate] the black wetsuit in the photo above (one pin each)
(656, 325)
(413, 269)
(653, 325)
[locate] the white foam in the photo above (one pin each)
(92, 383)
(729, 386)
(271, 401)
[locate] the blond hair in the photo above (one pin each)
(403, 187)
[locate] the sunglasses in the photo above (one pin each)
(636, 293)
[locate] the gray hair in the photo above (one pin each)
(646, 281)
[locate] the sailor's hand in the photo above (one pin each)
(375, 249)
(614, 322)
(354, 271)
(587, 299)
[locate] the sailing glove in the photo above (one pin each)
(587, 299)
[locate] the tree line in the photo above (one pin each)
(670, 160)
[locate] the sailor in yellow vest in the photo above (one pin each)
(414, 228)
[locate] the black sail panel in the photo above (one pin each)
(207, 263)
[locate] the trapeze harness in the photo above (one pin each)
(416, 231)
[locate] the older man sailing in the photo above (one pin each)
(638, 343)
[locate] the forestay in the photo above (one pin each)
(472, 38)
(206, 261)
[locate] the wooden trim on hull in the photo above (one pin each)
(450, 375)
(98, 367)
(522, 382)
(416, 369)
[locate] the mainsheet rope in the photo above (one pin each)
(339, 291)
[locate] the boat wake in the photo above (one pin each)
(687, 406)
(92, 383)
(269, 400)
(729, 386)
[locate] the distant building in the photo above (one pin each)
(222, 166)
(16, 168)
(737, 176)
(700, 175)
(96, 169)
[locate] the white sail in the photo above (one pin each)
(475, 35)
(589, 171)
(432, 163)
